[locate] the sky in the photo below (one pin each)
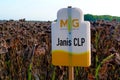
(45, 10)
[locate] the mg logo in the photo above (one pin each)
(64, 23)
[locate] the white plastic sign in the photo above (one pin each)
(71, 39)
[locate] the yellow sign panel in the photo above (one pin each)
(71, 39)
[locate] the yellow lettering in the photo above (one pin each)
(75, 23)
(64, 23)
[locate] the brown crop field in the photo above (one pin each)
(25, 52)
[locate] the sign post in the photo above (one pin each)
(71, 68)
(71, 40)
(71, 73)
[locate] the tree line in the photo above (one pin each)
(90, 17)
